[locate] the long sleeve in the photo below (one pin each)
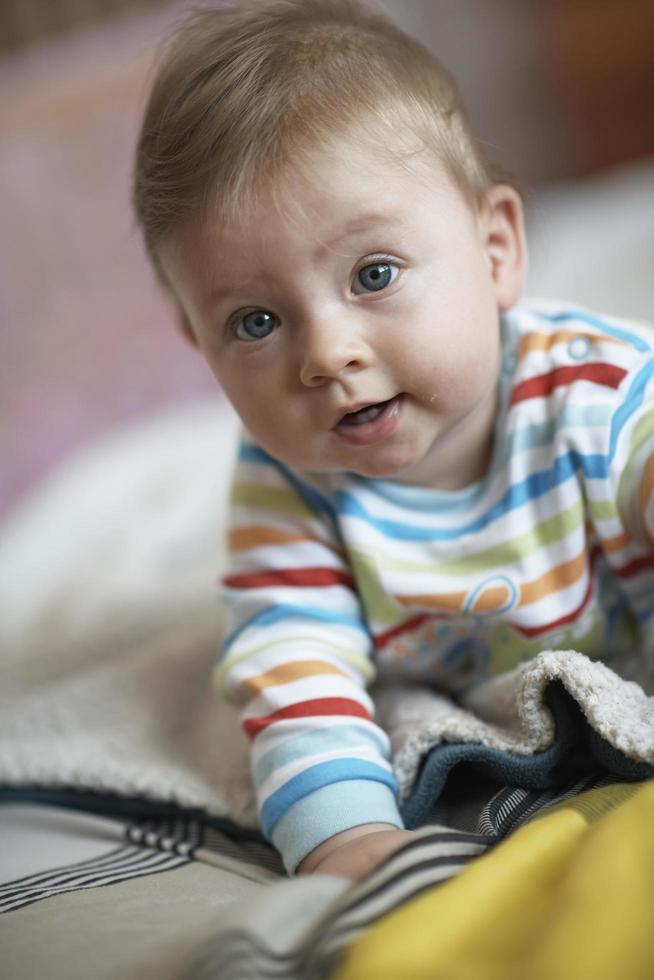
(296, 659)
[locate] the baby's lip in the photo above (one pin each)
(367, 431)
(357, 407)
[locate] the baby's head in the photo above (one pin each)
(312, 195)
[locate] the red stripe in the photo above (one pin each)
(531, 631)
(307, 709)
(608, 375)
(408, 626)
(646, 563)
(299, 577)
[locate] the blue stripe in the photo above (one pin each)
(280, 611)
(581, 317)
(537, 434)
(528, 437)
(632, 402)
(534, 486)
(584, 415)
(346, 736)
(251, 453)
(315, 778)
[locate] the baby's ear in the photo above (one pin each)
(504, 242)
(184, 325)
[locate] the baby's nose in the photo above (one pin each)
(328, 352)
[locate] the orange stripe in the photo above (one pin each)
(257, 535)
(286, 673)
(489, 600)
(543, 341)
(553, 581)
(453, 601)
(617, 543)
(260, 535)
(493, 598)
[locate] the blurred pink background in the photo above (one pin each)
(87, 343)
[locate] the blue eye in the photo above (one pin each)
(376, 276)
(256, 325)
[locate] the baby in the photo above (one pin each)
(436, 481)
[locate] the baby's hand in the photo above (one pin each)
(354, 852)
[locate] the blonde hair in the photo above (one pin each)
(243, 91)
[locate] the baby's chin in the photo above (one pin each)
(389, 462)
(371, 469)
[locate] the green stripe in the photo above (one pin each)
(602, 510)
(546, 533)
(643, 430)
(632, 472)
(277, 498)
(378, 605)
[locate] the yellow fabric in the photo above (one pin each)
(569, 896)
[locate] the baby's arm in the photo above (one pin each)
(297, 658)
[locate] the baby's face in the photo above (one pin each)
(354, 324)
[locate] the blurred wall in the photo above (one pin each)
(556, 88)
(27, 22)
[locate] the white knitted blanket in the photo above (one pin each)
(110, 623)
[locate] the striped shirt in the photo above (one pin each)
(335, 577)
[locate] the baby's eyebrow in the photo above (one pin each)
(222, 294)
(356, 226)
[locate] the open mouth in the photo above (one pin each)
(372, 423)
(367, 414)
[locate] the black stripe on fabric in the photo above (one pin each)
(512, 807)
(442, 835)
(509, 808)
(413, 852)
(530, 808)
(191, 838)
(455, 861)
(100, 876)
(65, 875)
(251, 852)
(93, 876)
(167, 836)
(347, 928)
(54, 873)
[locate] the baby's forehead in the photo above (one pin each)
(345, 185)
